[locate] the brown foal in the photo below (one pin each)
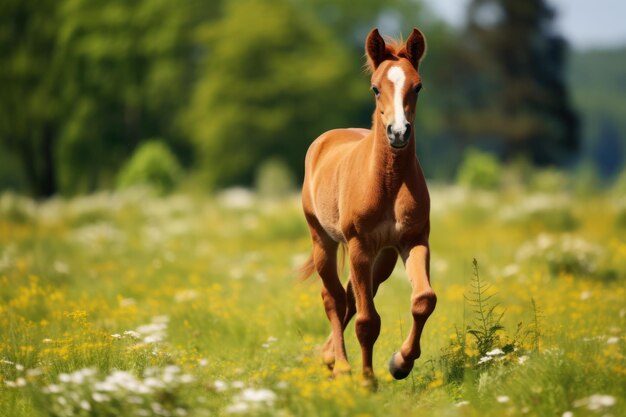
(365, 189)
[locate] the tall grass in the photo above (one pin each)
(128, 304)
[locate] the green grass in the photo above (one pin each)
(232, 331)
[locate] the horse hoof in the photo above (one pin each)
(370, 383)
(341, 369)
(397, 372)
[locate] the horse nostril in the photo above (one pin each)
(407, 131)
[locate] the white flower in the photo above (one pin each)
(612, 340)
(237, 408)
(522, 359)
(186, 379)
(220, 386)
(203, 362)
(585, 295)
(258, 395)
(567, 414)
(85, 405)
(462, 403)
(53, 389)
(116, 336)
(495, 352)
(19, 367)
(132, 334)
(595, 402)
(484, 359)
(502, 399)
(99, 398)
(238, 384)
(127, 302)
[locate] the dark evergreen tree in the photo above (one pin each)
(518, 96)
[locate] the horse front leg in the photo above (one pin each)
(423, 301)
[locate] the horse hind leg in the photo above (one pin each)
(383, 267)
(334, 297)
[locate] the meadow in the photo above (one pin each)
(129, 304)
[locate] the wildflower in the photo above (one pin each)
(495, 352)
(203, 362)
(132, 334)
(585, 295)
(237, 408)
(19, 367)
(612, 340)
(127, 302)
(503, 399)
(522, 359)
(220, 385)
(53, 389)
(99, 397)
(258, 395)
(251, 398)
(595, 402)
(484, 359)
(567, 414)
(116, 336)
(462, 403)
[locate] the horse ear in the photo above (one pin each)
(415, 47)
(375, 49)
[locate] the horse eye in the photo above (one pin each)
(418, 89)
(375, 90)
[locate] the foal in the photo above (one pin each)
(365, 189)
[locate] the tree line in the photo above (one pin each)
(229, 84)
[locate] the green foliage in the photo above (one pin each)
(271, 75)
(549, 180)
(490, 341)
(597, 87)
(486, 325)
(480, 170)
(274, 179)
(152, 165)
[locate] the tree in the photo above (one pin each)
(518, 99)
(273, 79)
(29, 80)
(128, 72)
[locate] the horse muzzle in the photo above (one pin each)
(399, 138)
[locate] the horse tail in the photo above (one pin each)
(307, 269)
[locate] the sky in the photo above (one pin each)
(585, 23)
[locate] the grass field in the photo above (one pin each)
(132, 305)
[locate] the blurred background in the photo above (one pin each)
(203, 95)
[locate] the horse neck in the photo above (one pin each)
(390, 168)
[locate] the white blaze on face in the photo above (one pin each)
(397, 77)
